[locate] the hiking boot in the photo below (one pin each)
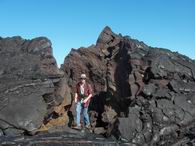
(77, 127)
(88, 126)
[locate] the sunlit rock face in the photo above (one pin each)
(28, 79)
(141, 94)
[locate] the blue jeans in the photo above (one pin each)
(80, 108)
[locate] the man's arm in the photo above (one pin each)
(75, 97)
(90, 94)
(88, 98)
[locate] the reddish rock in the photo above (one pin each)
(127, 75)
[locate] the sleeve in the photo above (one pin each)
(90, 91)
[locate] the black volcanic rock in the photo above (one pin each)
(67, 137)
(150, 89)
(142, 95)
(28, 74)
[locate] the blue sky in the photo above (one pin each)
(75, 23)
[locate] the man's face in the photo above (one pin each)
(83, 80)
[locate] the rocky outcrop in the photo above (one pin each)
(29, 79)
(151, 90)
(142, 95)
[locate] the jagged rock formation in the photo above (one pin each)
(142, 94)
(29, 80)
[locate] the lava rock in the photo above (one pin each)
(126, 74)
(27, 77)
(149, 91)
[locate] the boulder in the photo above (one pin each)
(28, 75)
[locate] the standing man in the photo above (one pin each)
(82, 98)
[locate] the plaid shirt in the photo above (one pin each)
(87, 91)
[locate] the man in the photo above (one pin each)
(82, 98)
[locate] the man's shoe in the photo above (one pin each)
(77, 127)
(88, 126)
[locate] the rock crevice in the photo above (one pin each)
(149, 90)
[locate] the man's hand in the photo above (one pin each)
(85, 100)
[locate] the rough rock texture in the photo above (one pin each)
(29, 79)
(151, 90)
(142, 95)
(65, 137)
